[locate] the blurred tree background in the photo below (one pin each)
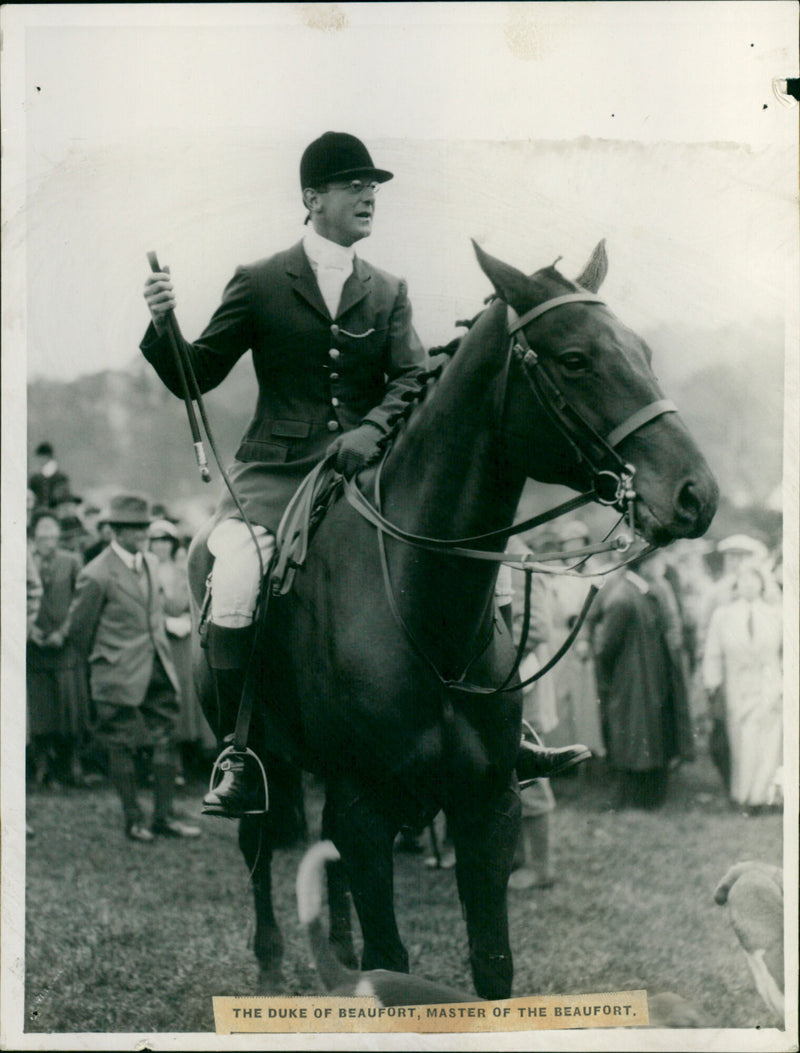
(124, 429)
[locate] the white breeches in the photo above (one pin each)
(504, 589)
(236, 576)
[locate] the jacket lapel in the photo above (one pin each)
(151, 563)
(305, 284)
(126, 579)
(355, 288)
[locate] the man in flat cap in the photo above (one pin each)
(117, 618)
(334, 351)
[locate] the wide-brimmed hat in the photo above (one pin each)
(337, 155)
(128, 510)
(66, 499)
(162, 528)
(745, 544)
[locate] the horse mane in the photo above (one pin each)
(412, 398)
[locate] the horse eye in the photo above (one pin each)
(574, 361)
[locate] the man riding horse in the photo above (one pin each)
(334, 352)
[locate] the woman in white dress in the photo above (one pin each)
(743, 656)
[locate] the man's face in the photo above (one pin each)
(132, 538)
(343, 214)
(46, 535)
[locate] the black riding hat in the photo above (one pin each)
(337, 155)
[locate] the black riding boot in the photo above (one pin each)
(241, 790)
(535, 761)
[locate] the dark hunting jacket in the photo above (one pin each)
(317, 376)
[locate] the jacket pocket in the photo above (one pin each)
(105, 656)
(290, 429)
(262, 450)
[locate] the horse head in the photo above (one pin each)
(582, 406)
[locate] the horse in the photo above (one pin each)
(388, 670)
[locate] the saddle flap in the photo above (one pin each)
(303, 515)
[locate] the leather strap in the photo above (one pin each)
(639, 419)
(548, 305)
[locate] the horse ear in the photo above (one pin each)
(510, 284)
(596, 269)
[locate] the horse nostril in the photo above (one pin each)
(688, 503)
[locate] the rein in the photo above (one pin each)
(590, 449)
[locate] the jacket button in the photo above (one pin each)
(333, 425)
(334, 352)
(334, 376)
(334, 402)
(334, 330)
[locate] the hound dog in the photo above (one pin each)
(388, 988)
(754, 894)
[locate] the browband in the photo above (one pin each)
(548, 305)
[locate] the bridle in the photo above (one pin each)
(589, 447)
(612, 484)
(612, 478)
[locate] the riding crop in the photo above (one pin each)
(184, 372)
(191, 393)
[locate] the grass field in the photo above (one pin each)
(129, 937)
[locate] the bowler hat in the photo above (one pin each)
(337, 155)
(128, 510)
(71, 526)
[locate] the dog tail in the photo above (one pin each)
(309, 908)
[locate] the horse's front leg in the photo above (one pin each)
(255, 843)
(485, 839)
(340, 932)
(364, 835)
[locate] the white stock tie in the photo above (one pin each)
(331, 276)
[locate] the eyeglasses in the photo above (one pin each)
(355, 186)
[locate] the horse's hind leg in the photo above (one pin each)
(364, 836)
(254, 841)
(485, 843)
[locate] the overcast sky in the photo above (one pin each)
(534, 128)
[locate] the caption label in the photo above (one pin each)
(257, 1015)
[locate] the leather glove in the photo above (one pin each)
(355, 448)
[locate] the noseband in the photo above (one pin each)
(612, 478)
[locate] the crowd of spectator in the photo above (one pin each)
(680, 654)
(65, 534)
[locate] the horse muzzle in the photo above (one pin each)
(694, 501)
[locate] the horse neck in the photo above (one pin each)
(448, 474)
(448, 477)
